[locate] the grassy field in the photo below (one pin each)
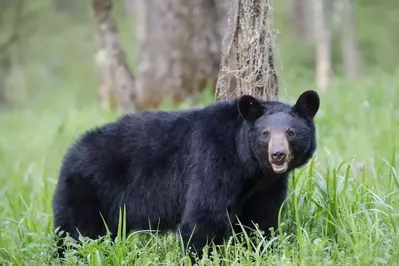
(342, 209)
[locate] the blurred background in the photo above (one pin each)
(49, 49)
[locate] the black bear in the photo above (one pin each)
(190, 170)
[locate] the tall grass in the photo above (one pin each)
(342, 208)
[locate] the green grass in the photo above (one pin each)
(342, 208)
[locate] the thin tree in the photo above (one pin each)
(247, 64)
(117, 88)
(348, 41)
(68, 6)
(301, 19)
(10, 42)
(323, 43)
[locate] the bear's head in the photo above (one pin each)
(281, 137)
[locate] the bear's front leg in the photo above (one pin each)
(205, 219)
(202, 228)
(262, 208)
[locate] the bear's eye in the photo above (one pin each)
(290, 133)
(266, 133)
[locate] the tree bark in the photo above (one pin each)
(323, 44)
(349, 49)
(179, 48)
(116, 79)
(247, 65)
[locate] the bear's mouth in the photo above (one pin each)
(279, 168)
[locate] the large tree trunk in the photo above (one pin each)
(116, 78)
(179, 48)
(247, 65)
(349, 49)
(323, 43)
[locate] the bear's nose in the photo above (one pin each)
(278, 156)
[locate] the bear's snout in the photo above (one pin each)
(278, 156)
(279, 152)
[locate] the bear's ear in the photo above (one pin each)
(307, 104)
(249, 108)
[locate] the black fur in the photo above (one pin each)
(182, 169)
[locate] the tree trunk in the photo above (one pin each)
(68, 6)
(4, 69)
(116, 78)
(10, 42)
(323, 44)
(349, 49)
(247, 65)
(302, 23)
(3, 100)
(179, 48)
(129, 6)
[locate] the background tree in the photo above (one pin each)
(348, 39)
(10, 41)
(323, 43)
(116, 78)
(178, 48)
(69, 6)
(247, 65)
(302, 19)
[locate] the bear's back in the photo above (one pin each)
(145, 142)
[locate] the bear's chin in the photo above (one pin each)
(280, 169)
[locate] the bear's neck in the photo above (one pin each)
(273, 177)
